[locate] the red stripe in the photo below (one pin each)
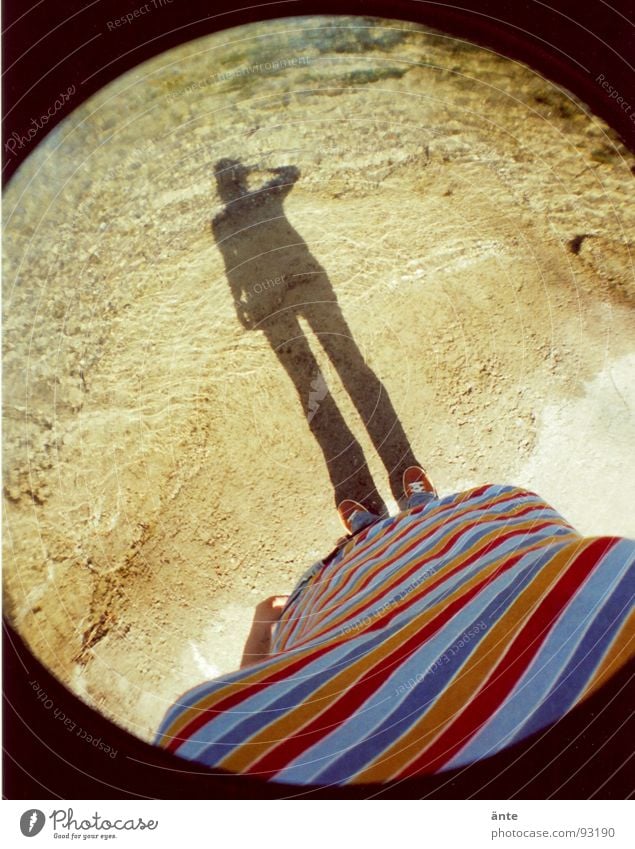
(463, 508)
(235, 698)
(510, 668)
(287, 671)
(389, 616)
(380, 622)
(450, 542)
(321, 599)
(338, 711)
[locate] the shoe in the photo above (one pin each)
(347, 510)
(415, 481)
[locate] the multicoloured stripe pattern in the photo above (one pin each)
(433, 639)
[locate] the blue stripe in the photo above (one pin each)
(562, 668)
(509, 723)
(242, 731)
(431, 568)
(576, 675)
(359, 751)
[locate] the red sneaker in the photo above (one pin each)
(347, 509)
(416, 481)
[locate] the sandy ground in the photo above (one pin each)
(162, 473)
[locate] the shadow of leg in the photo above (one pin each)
(365, 389)
(343, 455)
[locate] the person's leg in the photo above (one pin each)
(417, 499)
(355, 516)
(361, 520)
(418, 489)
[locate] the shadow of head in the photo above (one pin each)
(231, 179)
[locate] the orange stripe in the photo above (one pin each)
(380, 551)
(258, 677)
(455, 699)
(207, 702)
(619, 653)
(454, 566)
(366, 575)
(334, 689)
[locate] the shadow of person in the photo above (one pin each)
(274, 279)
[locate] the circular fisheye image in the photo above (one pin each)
(318, 380)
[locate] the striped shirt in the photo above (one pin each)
(433, 639)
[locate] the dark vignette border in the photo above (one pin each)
(49, 46)
(57, 45)
(583, 756)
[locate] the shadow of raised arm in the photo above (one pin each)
(283, 182)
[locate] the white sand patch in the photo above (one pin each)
(584, 461)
